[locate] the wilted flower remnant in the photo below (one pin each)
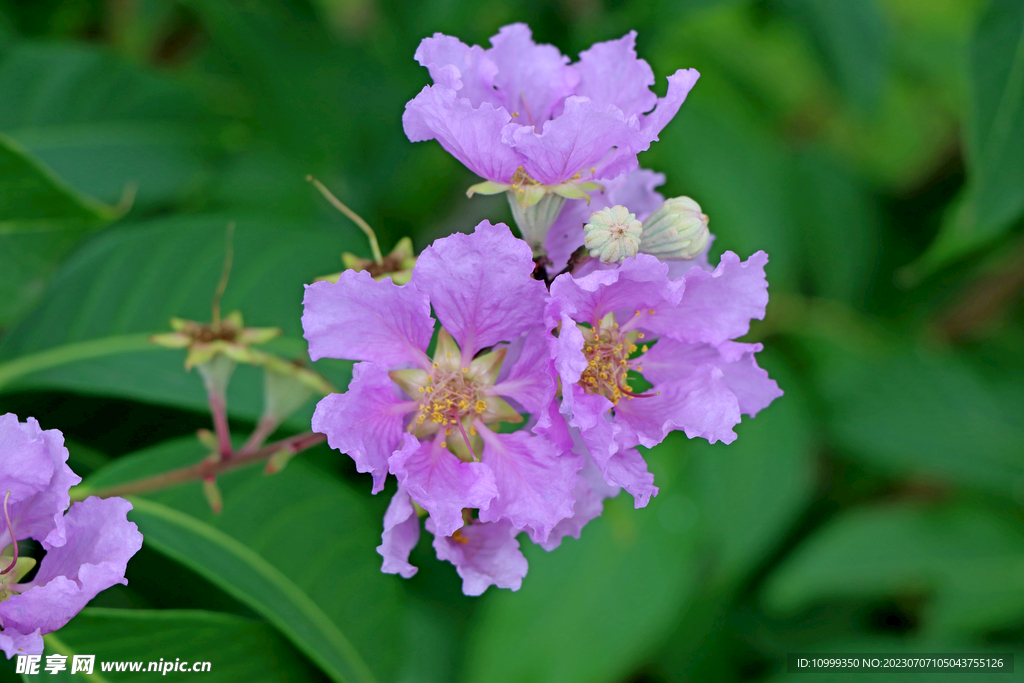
(87, 549)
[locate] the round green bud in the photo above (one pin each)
(613, 234)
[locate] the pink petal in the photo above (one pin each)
(401, 533)
(534, 479)
(359, 319)
(481, 286)
(441, 483)
(488, 555)
(366, 421)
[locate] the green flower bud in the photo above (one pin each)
(676, 231)
(613, 234)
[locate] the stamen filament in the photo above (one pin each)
(14, 541)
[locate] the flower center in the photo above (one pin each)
(608, 360)
(450, 396)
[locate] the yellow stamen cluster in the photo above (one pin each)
(607, 352)
(450, 396)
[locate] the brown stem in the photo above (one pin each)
(209, 468)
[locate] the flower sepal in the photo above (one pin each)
(397, 265)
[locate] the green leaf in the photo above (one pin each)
(850, 36)
(970, 561)
(925, 414)
(101, 123)
(34, 199)
(12, 370)
(749, 493)
(237, 649)
(743, 499)
(994, 198)
(41, 218)
(838, 221)
(133, 278)
(592, 609)
(297, 548)
(714, 147)
(996, 126)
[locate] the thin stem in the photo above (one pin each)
(224, 273)
(264, 428)
(363, 225)
(218, 408)
(206, 468)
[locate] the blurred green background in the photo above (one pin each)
(875, 150)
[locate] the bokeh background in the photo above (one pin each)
(875, 150)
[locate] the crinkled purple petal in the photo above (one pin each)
(35, 470)
(670, 360)
(633, 190)
(470, 134)
(532, 79)
(484, 555)
(573, 142)
(628, 469)
(679, 85)
(531, 378)
(638, 283)
(534, 478)
(611, 73)
(552, 425)
(441, 483)
(25, 465)
(481, 286)
(401, 533)
(14, 643)
(366, 421)
(457, 66)
(716, 306)
(599, 431)
(100, 541)
(357, 318)
(589, 494)
(567, 348)
(700, 404)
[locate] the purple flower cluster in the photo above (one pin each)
(529, 412)
(87, 549)
(519, 104)
(439, 424)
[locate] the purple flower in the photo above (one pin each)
(432, 421)
(87, 549)
(617, 327)
(484, 554)
(519, 104)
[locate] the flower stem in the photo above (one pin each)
(353, 216)
(264, 428)
(202, 470)
(218, 407)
